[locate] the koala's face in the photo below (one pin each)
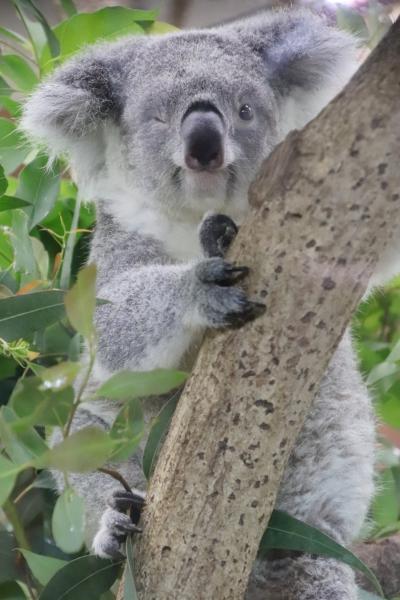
(182, 122)
(197, 122)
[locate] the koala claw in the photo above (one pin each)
(220, 272)
(250, 311)
(115, 525)
(216, 234)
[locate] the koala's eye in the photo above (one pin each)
(246, 112)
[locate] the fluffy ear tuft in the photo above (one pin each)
(74, 100)
(307, 62)
(299, 48)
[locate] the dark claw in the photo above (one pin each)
(251, 311)
(122, 500)
(220, 272)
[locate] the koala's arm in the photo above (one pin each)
(156, 311)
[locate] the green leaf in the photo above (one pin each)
(384, 369)
(16, 69)
(39, 185)
(127, 430)
(13, 148)
(352, 21)
(85, 450)
(86, 577)
(24, 259)
(60, 376)
(3, 182)
(9, 203)
(87, 28)
(37, 405)
(23, 447)
(363, 595)
(129, 384)
(13, 36)
(80, 302)
(42, 567)
(8, 557)
(13, 107)
(28, 7)
(157, 434)
(385, 509)
(21, 316)
(69, 7)
(68, 522)
(287, 533)
(41, 258)
(11, 591)
(8, 475)
(129, 583)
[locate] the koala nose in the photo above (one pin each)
(202, 133)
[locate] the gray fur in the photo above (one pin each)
(117, 111)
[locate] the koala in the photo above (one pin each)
(165, 134)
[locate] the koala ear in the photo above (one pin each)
(302, 54)
(73, 101)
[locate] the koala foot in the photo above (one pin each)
(116, 525)
(220, 303)
(216, 234)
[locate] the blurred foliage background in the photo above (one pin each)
(45, 230)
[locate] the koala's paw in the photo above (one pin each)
(116, 525)
(219, 303)
(216, 234)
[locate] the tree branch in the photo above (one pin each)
(325, 205)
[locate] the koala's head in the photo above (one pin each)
(183, 121)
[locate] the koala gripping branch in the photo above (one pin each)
(325, 205)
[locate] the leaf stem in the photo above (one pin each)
(116, 475)
(85, 381)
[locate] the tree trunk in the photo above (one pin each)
(325, 205)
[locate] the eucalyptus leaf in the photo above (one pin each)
(84, 450)
(36, 404)
(68, 522)
(13, 147)
(130, 592)
(13, 36)
(39, 185)
(87, 28)
(86, 577)
(284, 532)
(8, 475)
(8, 557)
(43, 567)
(127, 430)
(69, 7)
(385, 508)
(27, 7)
(24, 446)
(60, 376)
(12, 106)
(13, 67)
(10, 203)
(24, 259)
(158, 430)
(11, 591)
(363, 595)
(3, 182)
(80, 302)
(129, 384)
(21, 316)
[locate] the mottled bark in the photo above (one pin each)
(325, 205)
